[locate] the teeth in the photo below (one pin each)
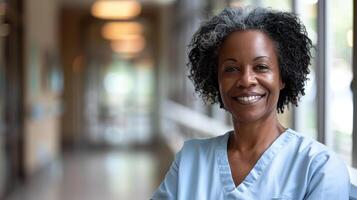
(248, 99)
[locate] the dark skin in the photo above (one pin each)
(250, 83)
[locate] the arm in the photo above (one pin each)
(329, 179)
(168, 187)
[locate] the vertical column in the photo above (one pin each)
(354, 87)
(294, 118)
(3, 161)
(321, 72)
(12, 98)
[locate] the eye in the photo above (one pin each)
(231, 69)
(262, 68)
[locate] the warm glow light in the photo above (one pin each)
(350, 38)
(115, 9)
(133, 45)
(121, 30)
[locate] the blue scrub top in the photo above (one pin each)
(293, 167)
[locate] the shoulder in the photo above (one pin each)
(319, 158)
(309, 146)
(194, 148)
(326, 175)
(205, 143)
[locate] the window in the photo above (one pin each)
(339, 75)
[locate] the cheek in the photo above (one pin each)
(225, 85)
(273, 83)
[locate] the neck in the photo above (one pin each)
(255, 136)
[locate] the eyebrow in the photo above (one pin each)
(255, 59)
(260, 57)
(230, 59)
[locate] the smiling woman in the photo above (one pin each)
(253, 62)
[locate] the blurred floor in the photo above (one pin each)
(92, 175)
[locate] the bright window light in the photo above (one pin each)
(350, 38)
(118, 84)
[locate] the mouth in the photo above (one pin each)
(246, 100)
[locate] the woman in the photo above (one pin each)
(253, 63)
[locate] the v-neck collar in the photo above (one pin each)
(225, 171)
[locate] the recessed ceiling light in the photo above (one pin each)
(111, 9)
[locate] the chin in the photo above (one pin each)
(246, 117)
(252, 116)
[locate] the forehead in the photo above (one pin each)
(247, 44)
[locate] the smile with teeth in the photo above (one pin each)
(248, 99)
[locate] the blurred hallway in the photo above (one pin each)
(96, 174)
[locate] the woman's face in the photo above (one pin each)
(248, 75)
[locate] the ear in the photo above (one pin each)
(282, 85)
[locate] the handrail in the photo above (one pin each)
(201, 123)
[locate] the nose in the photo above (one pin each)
(247, 79)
